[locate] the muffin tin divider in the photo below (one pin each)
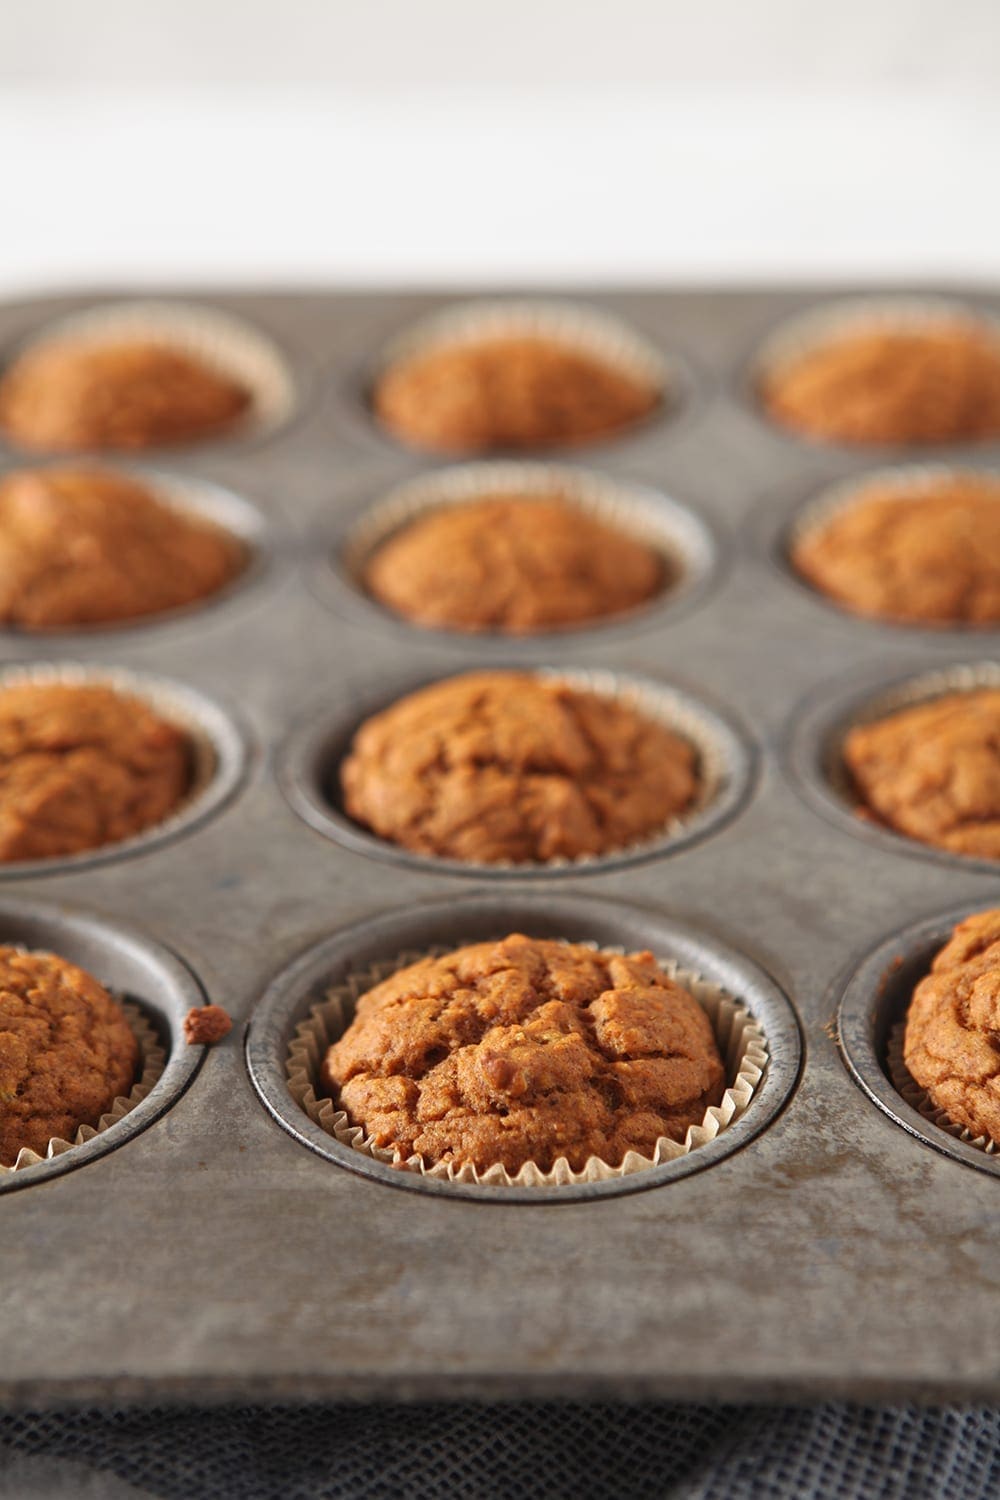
(212, 1256)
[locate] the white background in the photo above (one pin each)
(418, 141)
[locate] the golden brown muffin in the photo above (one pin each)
(67, 395)
(933, 772)
(952, 1041)
(505, 766)
(930, 557)
(513, 564)
(66, 1051)
(526, 1050)
(515, 391)
(83, 766)
(937, 384)
(89, 547)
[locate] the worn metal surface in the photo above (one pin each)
(213, 1255)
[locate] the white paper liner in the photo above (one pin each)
(683, 542)
(606, 337)
(163, 700)
(152, 1058)
(221, 342)
(739, 1037)
(901, 482)
(850, 316)
(923, 688)
(918, 1098)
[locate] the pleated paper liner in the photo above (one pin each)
(740, 1040)
(217, 340)
(682, 542)
(152, 1058)
(570, 324)
(919, 1099)
(856, 315)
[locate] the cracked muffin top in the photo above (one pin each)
(513, 564)
(65, 395)
(66, 1051)
(933, 556)
(82, 766)
(952, 1040)
(526, 1050)
(91, 547)
(499, 767)
(509, 392)
(933, 772)
(933, 384)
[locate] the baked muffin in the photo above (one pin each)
(66, 1051)
(65, 394)
(513, 565)
(927, 557)
(90, 547)
(952, 1039)
(507, 392)
(82, 766)
(498, 767)
(938, 383)
(526, 1050)
(933, 772)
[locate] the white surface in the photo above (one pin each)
(422, 141)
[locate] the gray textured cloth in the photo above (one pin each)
(532, 1452)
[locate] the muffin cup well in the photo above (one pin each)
(801, 334)
(309, 763)
(221, 342)
(152, 1056)
(599, 334)
(902, 482)
(194, 498)
(871, 1021)
(682, 540)
(816, 740)
(156, 989)
(218, 753)
(740, 1040)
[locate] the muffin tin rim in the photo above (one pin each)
(230, 740)
(330, 581)
(182, 1062)
(819, 723)
(864, 996)
(321, 734)
(287, 995)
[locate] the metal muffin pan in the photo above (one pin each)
(133, 967)
(215, 1256)
(477, 919)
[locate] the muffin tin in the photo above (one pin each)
(211, 1246)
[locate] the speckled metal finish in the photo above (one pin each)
(213, 1255)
